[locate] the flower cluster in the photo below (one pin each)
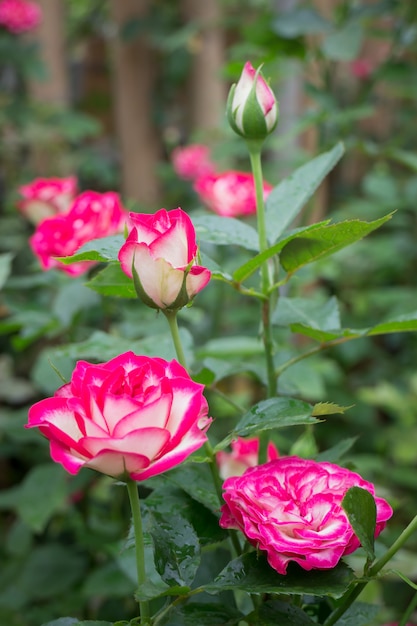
(19, 16)
(45, 197)
(160, 254)
(292, 509)
(132, 416)
(91, 215)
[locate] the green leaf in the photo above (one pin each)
(39, 496)
(335, 453)
(248, 268)
(112, 281)
(401, 324)
(227, 347)
(72, 298)
(63, 621)
(268, 414)
(288, 198)
(108, 581)
(196, 480)
(359, 614)
(203, 614)
(283, 613)
(404, 157)
(226, 231)
(103, 249)
(215, 269)
(300, 21)
(5, 267)
(321, 242)
(328, 408)
(168, 500)
(344, 44)
(177, 550)
(252, 573)
(360, 508)
(312, 313)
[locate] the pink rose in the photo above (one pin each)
(45, 197)
(19, 16)
(252, 109)
(291, 508)
(133, 415)
(361, 68)
(93, 215)
(162, 250)
(229, 194)
(244, 454)
(192, 162)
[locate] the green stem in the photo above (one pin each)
(352, 594)
(132, 490)
(175, 334)
(266, 284)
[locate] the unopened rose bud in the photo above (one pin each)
(252, 109)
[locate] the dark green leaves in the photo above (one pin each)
(103, 249)
(268, 414)
(288, 198)
(252, 573)
(360, 508)
(226, 231)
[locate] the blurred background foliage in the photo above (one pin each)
(105, 90)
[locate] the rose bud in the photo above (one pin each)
(252, 109)
(160, 254)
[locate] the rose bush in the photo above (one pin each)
(252, 109)
(229, 194)
(244, 454)
(162, 251)
(92, 215)
(133, 415)
(291, 508)
(19, 16)
(46, 197)
(192, 162)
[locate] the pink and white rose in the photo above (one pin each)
(19, 16)
(161, 251)
(132, 416)
(244, 454)
(192, 162)
(46, 197)
(252, 109)
(229, 194)
(92, 215)
(292, 509)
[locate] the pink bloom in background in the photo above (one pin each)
(244, 454)
(192, 162)
(92, 215)
(19, 16)
(134, 415)
(45, 197)
(291, 508)
(229, 194)
(162, 249)
(362, 68)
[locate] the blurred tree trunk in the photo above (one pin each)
(133, 81)
(206, 88)
(53, 89)
(51, 37)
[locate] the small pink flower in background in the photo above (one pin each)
(229, 194)
(19, 16)
(92, 215)
(134, 415)
(291, 508)
(192, 162)
(45, 197)
(162, 249)
(244, 454)
(361, 68)
(252, 109)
